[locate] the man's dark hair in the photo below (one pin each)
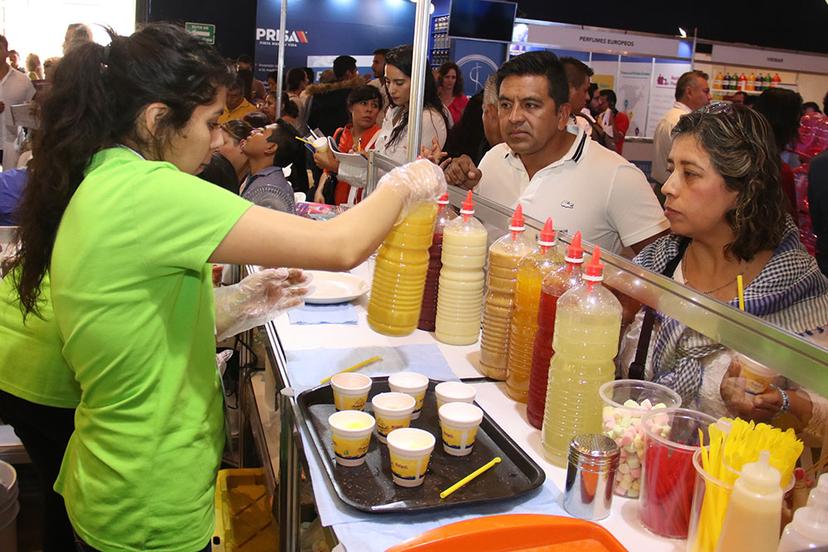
(289, 107)
(741, 93)
(593, 86)
(811, 105)
(244, 58)
(284, 136)
(295, 78)
(686, 80)
(380, 51)
(256, 119)
(609, 94)
(363, 94)
(311, 75)
(542, 64)
(342, 65)
(576, 71)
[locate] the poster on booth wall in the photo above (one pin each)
(477, 60)
(317, 32)
(663, 91)
(633, 92)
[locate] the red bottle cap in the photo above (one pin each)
(468, 205)
(443, 199)
(518, 224)
(547, 235)
(575, 253)
(595, 269)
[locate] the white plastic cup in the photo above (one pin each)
(458, 424)
(392, 411)
(758, 377)
(350, 390)
(410, 383)
(320, 144)
(454, 391)
(351, 433)
(410, 451)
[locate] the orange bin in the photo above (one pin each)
(515, 532)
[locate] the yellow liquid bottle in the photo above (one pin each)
(587, 327)
(531, 272)
(400, 272)
(504, 256)
(460, 295)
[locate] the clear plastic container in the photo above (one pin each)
(504, 256)
(587, 328)
(428, 311)
(668, 476)
(531, 272)
(807, 531)
(400, 272)
(460, 297)
(625, 402)
(555, 284)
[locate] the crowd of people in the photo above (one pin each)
(108, 317)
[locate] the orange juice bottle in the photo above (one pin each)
(460, 296)
(531, 271)
(504, 256)
(400, 272)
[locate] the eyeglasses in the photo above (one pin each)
(715, 108)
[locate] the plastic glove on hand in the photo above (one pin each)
(416, 182)
(258, 298)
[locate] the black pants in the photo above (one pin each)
(45, 432)
(83, 547)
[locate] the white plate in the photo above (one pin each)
(335, 287)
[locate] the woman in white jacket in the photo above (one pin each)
(392, 139)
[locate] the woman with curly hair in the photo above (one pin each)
(450, 89)
(727, 219)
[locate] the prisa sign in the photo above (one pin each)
(272, 35)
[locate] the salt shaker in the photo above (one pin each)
(590, 474)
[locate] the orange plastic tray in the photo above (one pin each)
(515, 532)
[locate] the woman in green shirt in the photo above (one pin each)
(126, 233)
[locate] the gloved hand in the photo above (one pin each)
(415, 182)
(258, 298)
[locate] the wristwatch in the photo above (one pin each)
(786, 402)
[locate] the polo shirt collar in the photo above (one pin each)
(682, 107)
(576, 152)
(268, 171)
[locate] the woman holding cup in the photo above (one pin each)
(727, 219)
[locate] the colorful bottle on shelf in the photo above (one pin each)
(460, 297)
(742, 82)
(587, 327)
(504, 256)
(751, 82)
(776, 80)
(400, 272)
(718, 81)
(554, 285)
(531, 272)
(428, 311)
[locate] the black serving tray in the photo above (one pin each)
(369, 487)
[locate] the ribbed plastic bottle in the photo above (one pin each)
(553, 286)
(460, 297)
(531, 272)
(753, 517)
(504, 256)
(428, 312)
(587, 327)
(400, 272)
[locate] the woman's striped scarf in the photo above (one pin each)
(790, 292)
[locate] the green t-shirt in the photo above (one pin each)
(133, 302)
(31, 365)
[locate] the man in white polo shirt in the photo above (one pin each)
(552, 172)
(15, 88)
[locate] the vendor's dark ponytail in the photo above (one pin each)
(95, 102)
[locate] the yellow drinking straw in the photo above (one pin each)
(355, 367)
(303, 140)
(470, 477)
(740, 285)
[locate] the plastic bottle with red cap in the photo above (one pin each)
(504, 256)
(587, 328)
(555, 284)
(428, 312)
(531, 272)
(400, 273)
(460, 297)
